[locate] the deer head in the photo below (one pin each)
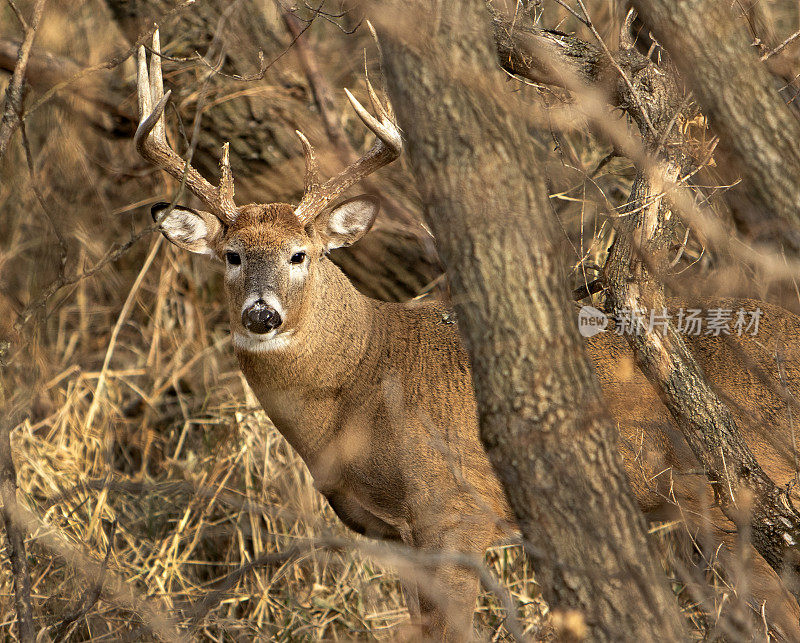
(271, 251)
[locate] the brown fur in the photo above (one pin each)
(378, 401)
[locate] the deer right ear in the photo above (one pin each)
(347, 222)
(192, 230)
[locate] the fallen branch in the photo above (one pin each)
(115, 589)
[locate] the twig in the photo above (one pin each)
(115, 589)
(62, 242)
(13, 102)
(584, 291)
(781, 46)
(323, 96)
(23, 23)
(398, 554)
(538, 55)
(215, 596)
(620, 71)
(575, 14)
(64, 281)
(323, 99)
(327, 16)
(112, 342)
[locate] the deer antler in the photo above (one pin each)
(386, 149)
(151, 140)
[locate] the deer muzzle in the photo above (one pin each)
(260, 318)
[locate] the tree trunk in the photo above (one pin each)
(542, 419)
(736, 91)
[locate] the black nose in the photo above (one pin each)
(260, 318)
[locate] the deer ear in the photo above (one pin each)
(348, 222)
(192, 230)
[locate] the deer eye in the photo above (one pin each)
(233, 258)
(297, 257)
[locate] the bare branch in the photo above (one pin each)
(89, 598)
(781, 46)
(13, 103)
(112, 62)
(323, 95)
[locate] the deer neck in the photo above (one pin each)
(299, 381)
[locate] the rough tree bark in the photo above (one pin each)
(633, 276)
(713, 53)
(542, 419)
(638, 262)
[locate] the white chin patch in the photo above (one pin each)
(253, 343)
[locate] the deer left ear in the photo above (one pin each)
(347, 222)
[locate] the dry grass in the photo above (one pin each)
(142, 445)
(184, 480)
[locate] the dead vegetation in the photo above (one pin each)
(158, 501)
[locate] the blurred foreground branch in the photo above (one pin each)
(113, 587)
(15, 535)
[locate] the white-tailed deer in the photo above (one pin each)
(377, 397)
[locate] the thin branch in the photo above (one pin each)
(63, 281)
(633, 93)
(781, 46)
(321, 90)
(705, 421)
(22, 22)
(398, 554)
(115, 589)
(323, 99)
(62, 242)
(555, 58)
(586, 290)
(13, 103)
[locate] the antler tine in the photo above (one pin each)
(151, 140)
(157, 86)
(312, 168)
(373, 96)
(143, 86)
(311, 181)
(226, 181)
(625, 39)
(387, 147)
